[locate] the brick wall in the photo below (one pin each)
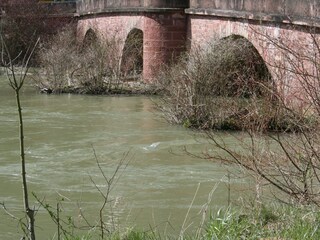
(165, 37)
(304, 8)
(164, 34)
(85, 6)
(203, 29)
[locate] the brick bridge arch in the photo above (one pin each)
(169, 26)
(131, 64)
(89, 37)
(264, 36)
(163, 34)
(203, 30)
(247, 73)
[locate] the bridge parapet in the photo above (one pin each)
(303, 12)
(99, 6)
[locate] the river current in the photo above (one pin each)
(156, 188)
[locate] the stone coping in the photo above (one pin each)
(129, 10)
(257, 16)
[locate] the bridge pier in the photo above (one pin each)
(164, 34)
(164, 40)
(163, 23)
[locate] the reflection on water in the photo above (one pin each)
(61, 131)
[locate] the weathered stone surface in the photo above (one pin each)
(164, 34)
(168, 26)
(303, 8)
(203, 29)
(85, 6)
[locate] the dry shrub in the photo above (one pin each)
(93, 67)
(132, 58)
(230, 67)
(287, 165)
(99, 69)
(288, 162)
(227, 86)
(224, 86)
(58, 60)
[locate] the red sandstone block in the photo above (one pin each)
(152, 43)
(154, 49)
(153, 27)
(155, 35)
(166, 22)
(173, 44)
(166, 35)
(179, 23)
(178, 35)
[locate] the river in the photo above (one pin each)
(154, 190)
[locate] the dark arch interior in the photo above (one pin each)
(236, 68)
(132, 56)
(90, 38)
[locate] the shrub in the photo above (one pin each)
(58, 60)
(68, 66)
(204, 91)
(226, 86)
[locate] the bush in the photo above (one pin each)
(230, 67)
(69, 66)
(224, 86)
(208, 89)
(58, 60)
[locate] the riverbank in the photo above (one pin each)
(266, 222)
(125, 88)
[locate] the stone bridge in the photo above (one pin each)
(171, 26)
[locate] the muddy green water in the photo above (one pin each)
(156, 188)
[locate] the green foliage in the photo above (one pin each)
(267, 216)
(269, 222)
(228, 225)
(281, 222)
(131, 234)
(139, 235)
(80, 238)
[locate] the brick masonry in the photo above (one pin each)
(169, 27)
(164, 34)
(264, 36)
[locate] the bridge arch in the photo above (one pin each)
(253, 76)
(235, 69)
(90, 38)
(132, 54)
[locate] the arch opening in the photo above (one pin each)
(89, 39)
(236, 69)
(132, 55)
(234, 87)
